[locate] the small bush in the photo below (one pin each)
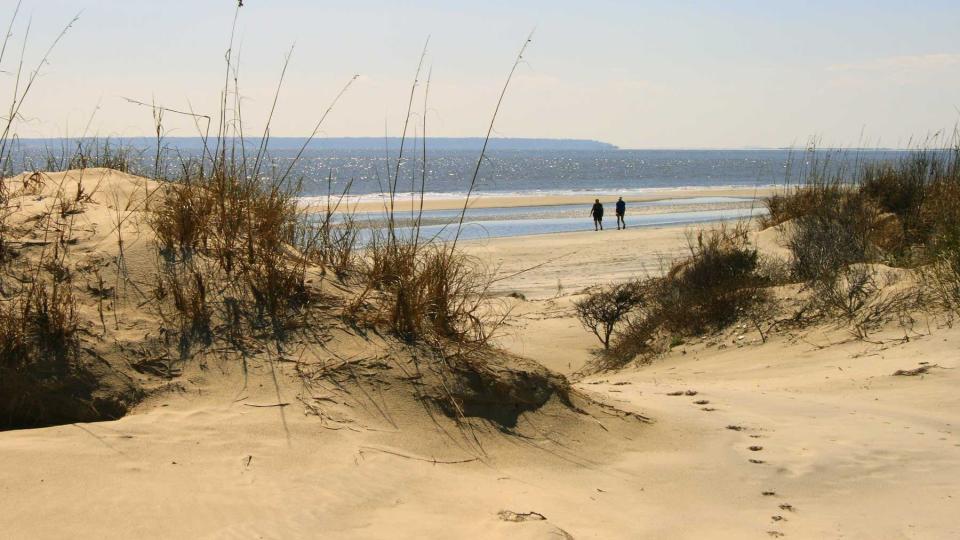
(713, 286)
(838, 232)
(602, 311)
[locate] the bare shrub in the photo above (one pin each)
(774, 270)
(602, 311)
(762, 312)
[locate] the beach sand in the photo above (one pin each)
(808, 435)
(404, 203)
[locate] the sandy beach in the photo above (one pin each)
(809, 435)
(486, 200)
(360, 271)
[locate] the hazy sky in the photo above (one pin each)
(639, 74)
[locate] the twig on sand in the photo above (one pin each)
(416, 458)
(922, 370)
(266, 406)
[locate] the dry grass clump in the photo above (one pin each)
(38, 352)
(942, 280)
(236, 247)
(42, 379)
(230, 238)
(902, 213)
(863, 298)
(336, 237)
(429, 291)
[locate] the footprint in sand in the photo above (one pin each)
(757, 461)
(701, 402)
(756, 448)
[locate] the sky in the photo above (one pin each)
(637, 73)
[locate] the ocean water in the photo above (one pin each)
(588, 173)
(370, 170)
(571, 172)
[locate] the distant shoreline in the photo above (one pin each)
(445, 144)
(377, 144)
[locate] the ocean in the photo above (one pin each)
(563, 172)
(604, 173)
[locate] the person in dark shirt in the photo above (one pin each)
(597, 213)
(621, 210)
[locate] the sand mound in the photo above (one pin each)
(95, 220)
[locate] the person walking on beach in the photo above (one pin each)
(621, 210)
(597, 213)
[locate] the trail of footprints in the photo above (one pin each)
(784, 508)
